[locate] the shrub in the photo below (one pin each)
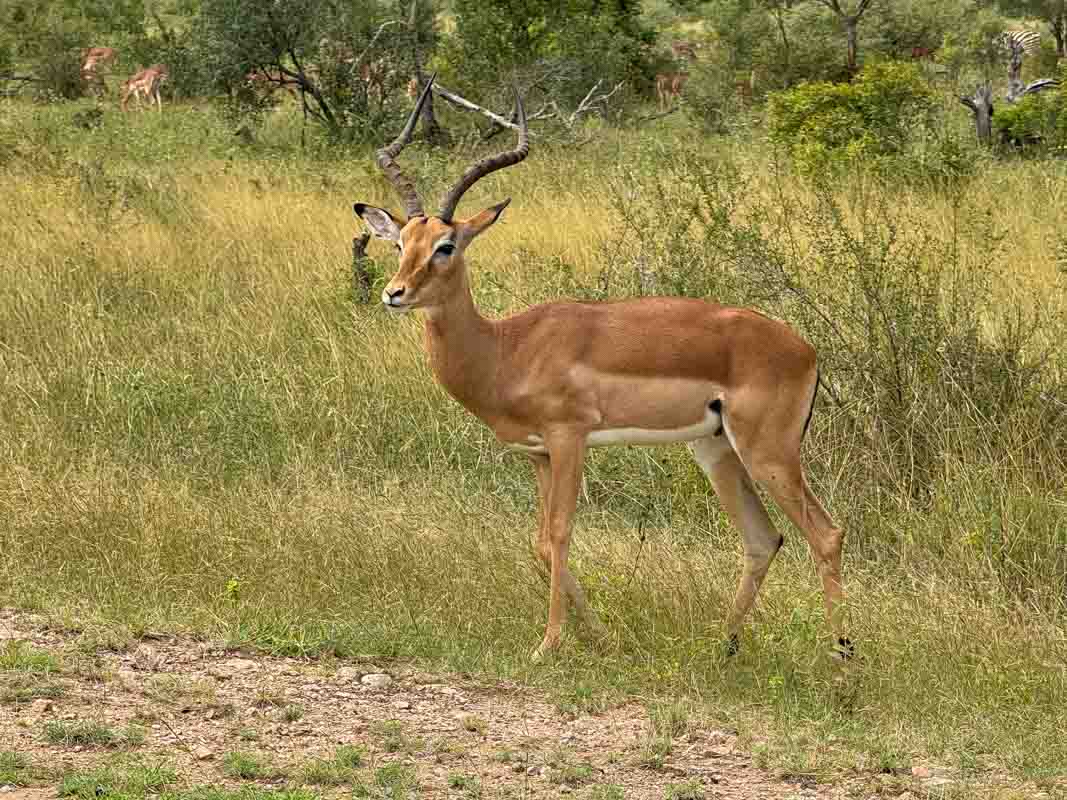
(1035, 119)
(827, 124)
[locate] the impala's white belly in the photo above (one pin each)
(709, 426)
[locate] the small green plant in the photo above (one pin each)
(398, 780)
(669, 718)
(606, 791)
(292, 713)
(690, 790)
(243, 765)
(469, 784)
(23, 657)
(324, 772)
(350, 756)
(474, 724)
(13, 768)
(132, 780)
(83, 732)
(336, 771)
(566, 771)
(25, 687)
(654, 752)
(247, 735)
(390, 734)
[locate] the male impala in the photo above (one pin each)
(561, 377)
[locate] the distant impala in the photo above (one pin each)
(562, 377)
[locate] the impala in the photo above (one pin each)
(146, 83)
(559, 378)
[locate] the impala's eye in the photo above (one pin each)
(446, 249)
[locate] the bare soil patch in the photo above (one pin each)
(196, 702)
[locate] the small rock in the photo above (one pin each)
(41, 706)
(533, 771)
(376, 680)
(203, 753)
(920, 772)
(349, 674)
(6, 788)
(930, 782)
(403, 704)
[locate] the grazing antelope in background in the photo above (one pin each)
(562, 377)
(93, 58)
(145, 82)
(669, 85)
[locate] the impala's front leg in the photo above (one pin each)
(543, 545)
(566, 453)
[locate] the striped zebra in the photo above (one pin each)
(1021, 43)
(1018, 44)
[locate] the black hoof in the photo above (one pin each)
(733, 644)
(845, 648)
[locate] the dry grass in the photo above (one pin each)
(191, 398)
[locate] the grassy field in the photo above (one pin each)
(201, 431)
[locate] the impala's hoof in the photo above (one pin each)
(844, 649)
(545, 651)
(733, 645)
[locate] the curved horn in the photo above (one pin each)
(487, 165)
(401, 182)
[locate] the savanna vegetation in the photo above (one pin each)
(204, 429)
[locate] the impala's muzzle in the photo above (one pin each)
(396, 298)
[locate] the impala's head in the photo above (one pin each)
(430, 248)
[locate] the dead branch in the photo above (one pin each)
(463, 103)
(373, 40)
(591, 102)
(361, 278)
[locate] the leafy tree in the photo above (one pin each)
(561, 47)
(326, 48)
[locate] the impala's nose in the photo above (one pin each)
(391, 296)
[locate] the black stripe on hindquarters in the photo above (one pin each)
(814, 394)
(716, 406)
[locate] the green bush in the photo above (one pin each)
(1036, 118)
(830, 124)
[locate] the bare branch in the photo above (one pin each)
(462, 102)
(373, 40)
(969, 103)
(590, 103)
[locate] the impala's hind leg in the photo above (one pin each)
(760, 539)
(774, 463)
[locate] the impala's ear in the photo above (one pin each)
(382, 224)
(470, 228)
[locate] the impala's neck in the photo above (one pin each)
(462, 345)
